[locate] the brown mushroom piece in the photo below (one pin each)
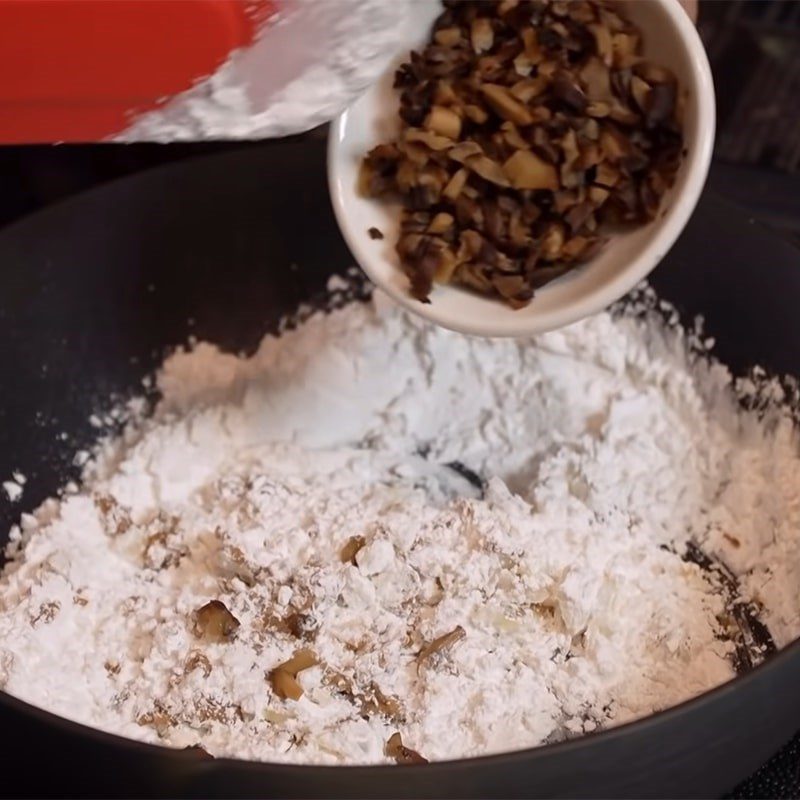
(526, 170)
(513, 288)
(431, 260)
(603, 42)
(660, 104)
(444, 122)
(552, 242)
(543, 275)
(455, 185)
(351, 548)
(447, 36)
(506, 105)
(598, 110)
(482, 34)
(464, 150)
(375, 701)
(567, 89)
(527, 128)
(545, 145)
(625, 47)
(441, 222)
(441, 644)
(430, 139)
(302, 626)
(528, 88)
(488, 169)
(285, 685)
(214, 622)
(640, 90)
(576, 217)
(476, 113)
(284, 677)
(400, 753)
(198, 752)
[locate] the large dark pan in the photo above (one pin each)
(94, 290)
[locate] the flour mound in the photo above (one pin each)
(540, 494)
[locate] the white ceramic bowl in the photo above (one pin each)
(670, 39)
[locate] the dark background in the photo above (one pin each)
(754, 47)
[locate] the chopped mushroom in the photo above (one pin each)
(529, 127)
(506, 105)
(301, 626)
(526, 170)
(302, 659)
(351, 547)
(198, 752)
(441, 644)
(482, 34)
(444, 122)
(375, 701)
(370, 701)
(214, 622)
(284, 677)
(196, 660)
(400, 753)
(284, 685)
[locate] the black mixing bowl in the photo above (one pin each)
(94, 290)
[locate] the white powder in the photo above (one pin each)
(306, 67)
(14, 488)
(604, 448)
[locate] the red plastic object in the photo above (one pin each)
(77, 70)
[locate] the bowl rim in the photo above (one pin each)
(696, 166)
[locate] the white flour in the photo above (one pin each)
(306, 67)
(14, 487)
(605, 448)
